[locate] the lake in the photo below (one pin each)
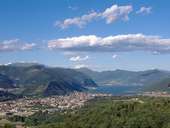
(118, 90)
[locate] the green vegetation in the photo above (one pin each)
(4, 95)
(123, 77)
(108, 113)
(31, 79)
(6, 124)
(6, 82)
(37, 79)
(44, 118)
(162, 85)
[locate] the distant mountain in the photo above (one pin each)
(35, 79)
(5, 82)
(162, 85)
(4, 95)
(23, 64)
(62, 87)
(123, 77)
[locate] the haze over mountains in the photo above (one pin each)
(37, 79)
(124, 77)
(32, 79)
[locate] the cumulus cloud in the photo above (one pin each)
(28, 46)
(77, 21)
(129, 42)
(15, 45)
(116, 12)
(79, 58)
(144, 10)
(111, 14)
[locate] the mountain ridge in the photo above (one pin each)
(35, 79)
(125, 77)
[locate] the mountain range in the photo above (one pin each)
(32, 79)
(6, 82)
(37, 79)
(123, 77)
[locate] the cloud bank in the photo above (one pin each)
(129, 42)
(110, 15)
(15, 45)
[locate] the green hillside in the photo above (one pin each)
(123, 77)
(162, 85)
(109, 113)
(5, 82)
(34, 79)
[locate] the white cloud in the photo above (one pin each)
(111, 14)
(77, 21)
(15, 45)
(28, 46)
(73, 41)
(80, 66)
(116, 12)
(114, 56)
(144, 10)
(79, 58)
(129, 42)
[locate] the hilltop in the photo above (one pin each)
(124, 77)
(38, 79)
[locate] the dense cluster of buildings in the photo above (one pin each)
(28, 106)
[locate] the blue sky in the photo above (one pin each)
(105, 35)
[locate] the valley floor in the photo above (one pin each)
(87, 110)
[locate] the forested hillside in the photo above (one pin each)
(110, 113)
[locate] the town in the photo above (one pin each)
(28, 106)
